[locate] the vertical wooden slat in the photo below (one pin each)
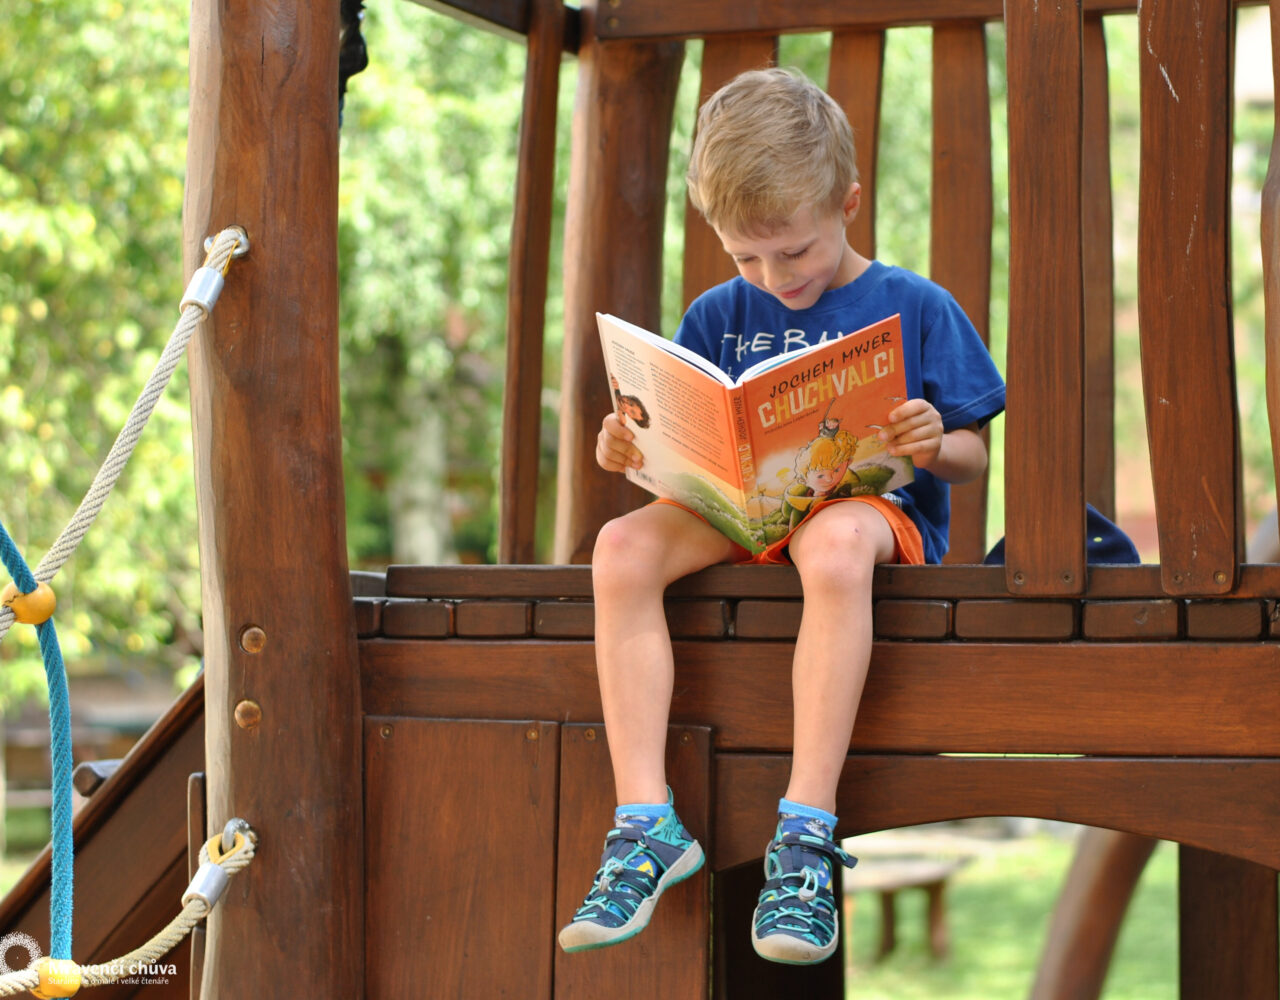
(443, 798)
(672, 956)
(1227, 927)
(612, 256)
(263, 152)
(527, 285)
(1271, 258)
(1184, 292)
(855, 78)
(961, 205)
(1044, 453)
(723, 58)
(1097, 240)
(197, 824)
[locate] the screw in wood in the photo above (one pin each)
(1019, 578)
(385, 732)
(686, 737)
(531, 733)
(252, 639)
(589, 735)
(248, 714)
(1220, 576)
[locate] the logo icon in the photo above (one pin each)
(18, 940)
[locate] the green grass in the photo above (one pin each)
(998, 911)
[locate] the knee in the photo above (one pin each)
(835, 555)
(627, 558)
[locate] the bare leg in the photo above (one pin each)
(636, 556)
(835, 552)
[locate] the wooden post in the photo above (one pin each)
(612, 256)
(281, 680)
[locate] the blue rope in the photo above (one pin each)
(62, 891)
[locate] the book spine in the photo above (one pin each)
(742, 441)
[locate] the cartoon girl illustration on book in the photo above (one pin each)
(629, 407)
(822, 472)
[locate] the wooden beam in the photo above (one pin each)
(855, 80)
(1184, 294)
(1044, 429)
(653, 19)
(613, 259)
(278, 618)
(527, 287)
(1271, 260)
(960, 239)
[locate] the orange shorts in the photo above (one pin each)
(908, 550)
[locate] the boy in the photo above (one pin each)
(772, 170)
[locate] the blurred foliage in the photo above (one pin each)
(92, 147)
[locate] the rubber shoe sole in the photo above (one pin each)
(583, 935)
(790, 950)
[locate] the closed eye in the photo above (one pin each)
(798, 254)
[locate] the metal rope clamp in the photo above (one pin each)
(211, 879)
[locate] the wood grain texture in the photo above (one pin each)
(1089, 913)
(612, 259)
(1044, 443)
(921, 697)
(1119, 620)
(855, 80)
(705, 262)
(1227, 929)
(1047, 620)
(1188, 367)
(268, 471)
(527, 285)
(1270, 225)
(466, 785)
(1224, 805)
(672, 958)
(197, 824)
(960, 224)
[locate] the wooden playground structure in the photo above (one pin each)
(386, 735)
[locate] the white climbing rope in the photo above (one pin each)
(196, 906)
(197, 302)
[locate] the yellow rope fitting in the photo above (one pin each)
(34, 608)
(217, 855)
(59, 977)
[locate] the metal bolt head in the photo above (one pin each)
(589, 735)
(252, 639)
(1220, 576)
(385, 732)
(248, 714)
(531, 733)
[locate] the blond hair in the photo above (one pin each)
(826, 452)
(769, 143)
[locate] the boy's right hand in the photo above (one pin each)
(615, 447)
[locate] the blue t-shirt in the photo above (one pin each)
(734, 325)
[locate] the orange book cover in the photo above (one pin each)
(755, 455)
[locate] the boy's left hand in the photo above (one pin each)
(914, 430)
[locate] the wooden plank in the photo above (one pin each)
(1184, 294)
(418, 619)
(1227, 928)
(918, 582)
(1225, 620)
(677, 19)
(1044, 500)
(960, 223)
(1047, 620)
(767, 619)
(921, 697)
(672, 957)
(441, 798)
(855, 78)
(527, 285)
(368, 615)
(564, 620)
(698, 619)
(1270, 226)
(1097, 232)
(267, 446)
(1089, 913)
(908, 619)
(197, 827)
(1212, 804)
(618, 172)
(493, 619)
(705, 262)
(1119, 620)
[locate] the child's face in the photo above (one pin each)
(802, 260)
(823, 481)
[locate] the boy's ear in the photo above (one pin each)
(852, 201)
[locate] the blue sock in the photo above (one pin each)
(643, 816)
(795, 817)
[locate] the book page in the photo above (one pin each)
(814, 421)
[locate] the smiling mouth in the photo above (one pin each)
(794, 292)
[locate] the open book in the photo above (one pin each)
(754, 456)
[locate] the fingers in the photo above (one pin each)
(915, 430)
(615, 450)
